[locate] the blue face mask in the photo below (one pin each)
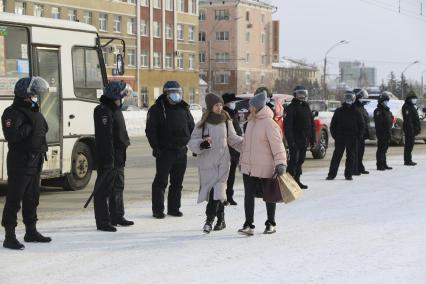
(175, 97)
(385, 103)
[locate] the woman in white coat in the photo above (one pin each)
(210, 140)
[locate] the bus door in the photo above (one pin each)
(47, 65)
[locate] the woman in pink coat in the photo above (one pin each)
(262, 155)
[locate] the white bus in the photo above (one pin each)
(68, 55)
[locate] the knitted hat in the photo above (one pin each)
(258, 101)
(211, 100)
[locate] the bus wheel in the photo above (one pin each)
(81, 167)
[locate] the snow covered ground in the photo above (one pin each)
(371, 230)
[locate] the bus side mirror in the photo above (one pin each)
(315, 113)
(120, 64)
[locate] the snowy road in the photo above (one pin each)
(372, 230)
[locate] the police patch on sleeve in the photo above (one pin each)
(104, 120)
(8, 123)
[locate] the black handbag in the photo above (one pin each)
(271, 190)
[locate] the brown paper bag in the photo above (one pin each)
(290, 190)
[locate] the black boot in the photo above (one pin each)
(122, 222)
(220, 224)
(106, 228)
(33, 236)
(231, 201)
(10, 240)
(388, 168)
(208, 226)
(301, 185)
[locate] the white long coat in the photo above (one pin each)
(214, 163)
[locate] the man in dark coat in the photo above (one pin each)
(229, 101)
(359, 168)
(112, 141)
(383, 120)
(411, 126)
(168, 129)
(299, 131)
(346, 126)
(25, 129)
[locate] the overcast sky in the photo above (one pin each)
(378, 36)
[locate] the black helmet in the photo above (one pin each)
(265, 90)
(28, 87)
(172, 86)
(349, 97)
(300, 92)
(385, 96)
(360, 94)
(116, 90)
(411, 95)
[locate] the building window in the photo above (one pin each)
(145, 97)
(144, 58)
(247, 36)
(72, 15)
(191, 62)
(87, 17)
(222, 35)
(56, 14)
(222, 57)
(202, 15)
(191, 33)
(192, 4)
(38, 10)
(192, 96)
(180, 32)
(20, 8)
(220, 15)
(145, 3)
(105, 56)
(131, 26)
(157, 4)
(131, 57)
(169, 61)
(202, 57)
(179, 61)
(222, 78)
(169, 5)
(144, 28)
(169, 31)
(157, 29)
(247, 16)
(263, 36)
(157, 59)
(103, 22)
(180, 5)
(263, 18)
(202, 36)
(248, 79)
(247, 57)
(117, 24)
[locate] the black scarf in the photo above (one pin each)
(216, 118)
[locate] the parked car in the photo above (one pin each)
(325, 109)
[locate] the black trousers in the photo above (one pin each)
(341, 144)
(251, 184)
(297, 158)
(382, 148)
(359, 156)
(173, 163)
(214, 208)
(231, 179)
(25, 189)
(116, 202)
(408, 148)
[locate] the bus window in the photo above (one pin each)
(14, 63)
(87, 73)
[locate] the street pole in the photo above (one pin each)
(210, 66)
(422, 91)
(402, 77)
(325, 65)
(138, 51)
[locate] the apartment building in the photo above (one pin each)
(239, 41)
(168, 46)
(293, 70)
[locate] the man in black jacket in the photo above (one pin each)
(25, 129)
(112, 141)
(346, 126)
(168, 129)
(299, 131)
(383, 120)
(360, 149)
(411, 126)
(229, 101)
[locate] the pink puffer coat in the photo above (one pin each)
(262, 148)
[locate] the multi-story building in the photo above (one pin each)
(238, 43)
(289, 69)
(355, 74)
(168, 48)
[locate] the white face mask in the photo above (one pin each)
(414, 101)
(385, 103)
(231, 105)
(34, 99)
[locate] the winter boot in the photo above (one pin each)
(410, 163)
(220, 224)
(248, 230)
(175, 213)
(208, 226)
(388, 168)
(10, 240)
(33, 236)
(106, 228)
(232, 201)
(123, 222)
(301, 185)
(364, 172)
(270, 228)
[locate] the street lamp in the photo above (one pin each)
(402, 77)
(325, 65)
(423, 72)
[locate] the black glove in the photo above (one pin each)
(205, 145)
(156, 152)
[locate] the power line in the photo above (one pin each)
(398, 8)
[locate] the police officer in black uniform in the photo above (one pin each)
(25, 129)
(383, 119)
(411, 126)
(359, 168)
(230, 104)
(346, 126)
(112, 141)
(168, 129)
(299, 131)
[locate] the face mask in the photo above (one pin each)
(231, 105)
(175, 97)
(385, 103)
(414, 101)
(349, 102)
(34, 99)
